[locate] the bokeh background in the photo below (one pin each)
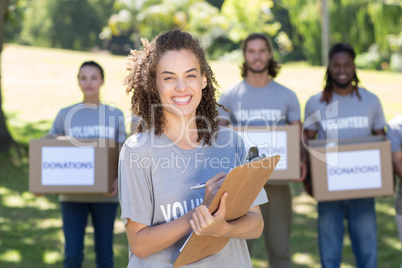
(43, 42)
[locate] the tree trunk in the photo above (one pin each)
(5, 138)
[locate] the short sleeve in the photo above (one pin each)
(394, 134)
(241, 150)
(135, 190)
(58, 125)
(310, 116)
(379, 119)
(294, 109)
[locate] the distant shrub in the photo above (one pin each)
(396, 62)
(371, 59)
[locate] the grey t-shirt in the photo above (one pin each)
(89, 121)
(346, 116)
(272, 104)
(394, 134)
(155, 177)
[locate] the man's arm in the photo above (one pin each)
(379, 132)
(397, 163)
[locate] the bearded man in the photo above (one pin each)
(258, 100)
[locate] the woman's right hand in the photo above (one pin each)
(212, 187)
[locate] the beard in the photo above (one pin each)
(257, 71)
(342, 85)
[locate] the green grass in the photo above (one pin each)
(38, 82)
(30, 227)
(31, 234)
(304, 245)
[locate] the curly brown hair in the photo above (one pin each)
(141, 80)
(273, 65)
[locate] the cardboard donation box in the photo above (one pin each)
(276, 140)
(351, 168)
(69, 165)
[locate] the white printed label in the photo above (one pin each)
(68, 166)
(268, 143)
(356, 170)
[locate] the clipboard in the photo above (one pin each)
(243, 184)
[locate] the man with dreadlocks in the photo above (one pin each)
(345, 110)
(394, 134)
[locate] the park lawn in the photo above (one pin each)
(37, 82)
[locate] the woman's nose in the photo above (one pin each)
(181, 84)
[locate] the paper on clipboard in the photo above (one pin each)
(243, 184)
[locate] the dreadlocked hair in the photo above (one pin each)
(141, 81)
(327, 92)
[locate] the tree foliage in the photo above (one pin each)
(69, 24)
(372, 27)
(359, 22)
(146, 19)
(245, 17)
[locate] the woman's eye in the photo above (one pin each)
(191, 76)
(167, 78)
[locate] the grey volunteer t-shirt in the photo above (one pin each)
(394, 134)
(155, 177)
(346, 116)
(272, 104)
(90, 121)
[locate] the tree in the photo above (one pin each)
(65, 24)
(5, 138)
(246, 17)
(146, 19)
(365, 24)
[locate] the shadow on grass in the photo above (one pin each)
(30, 227)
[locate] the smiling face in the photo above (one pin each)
(179, 83)
(257, 56)
(90, 80)
(342, 70)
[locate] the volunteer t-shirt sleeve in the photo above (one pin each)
(135, 189)
(58, 125)
(293, 109)
(379, 119)
(394, 134)
(310, 119)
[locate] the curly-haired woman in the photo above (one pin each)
(174, 94)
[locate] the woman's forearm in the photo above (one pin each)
(146, 240)
(250, 226)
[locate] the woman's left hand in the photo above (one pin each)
(114, 189)
(204, 223)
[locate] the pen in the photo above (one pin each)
(255, 157)
(198, 186)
